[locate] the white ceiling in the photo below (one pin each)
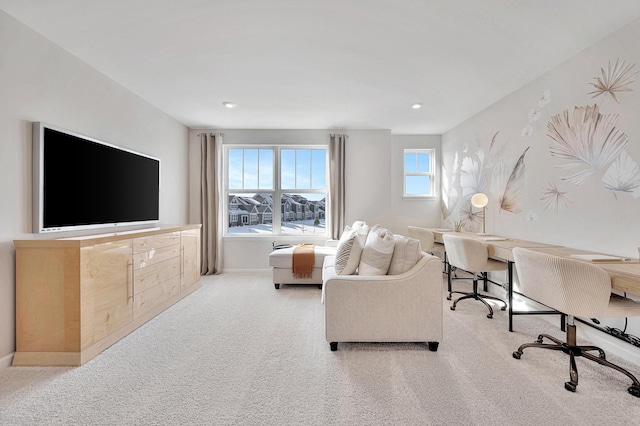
(317, 64)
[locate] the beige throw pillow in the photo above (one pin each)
(348, 252)
(377, 252)
(406, 253)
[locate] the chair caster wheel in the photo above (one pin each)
(504, 308)
(571, 387)
(452, 308)
(517, 354)
(634, 390)
(448, 297)
(489, 316)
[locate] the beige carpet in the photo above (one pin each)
(239, 352)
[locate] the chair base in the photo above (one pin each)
(573, 350)
(477, 296)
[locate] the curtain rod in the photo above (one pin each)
(210, 134)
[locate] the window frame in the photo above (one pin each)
(276, 192)
(431, 173)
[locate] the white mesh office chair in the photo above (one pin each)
(574, 288)
(472, 256)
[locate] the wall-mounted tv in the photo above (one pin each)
(82, 183)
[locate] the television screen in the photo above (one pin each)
(83, 183)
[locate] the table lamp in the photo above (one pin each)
(480, 200)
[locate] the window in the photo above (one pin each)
(419, 172)
(256, 176)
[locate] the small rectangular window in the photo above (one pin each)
(419, 172)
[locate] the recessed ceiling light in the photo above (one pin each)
(417, 105)
(229, 105)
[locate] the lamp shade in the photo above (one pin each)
(479, 200)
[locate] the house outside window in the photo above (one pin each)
(276, 190)
(419, 173)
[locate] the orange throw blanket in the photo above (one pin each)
(303, 260)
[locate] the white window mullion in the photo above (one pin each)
(277, 196)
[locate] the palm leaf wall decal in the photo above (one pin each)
(587, 140)
(616, 79)
(554, 199)
(507, 183)
(493, 140)
(449, 192)
(472, 179)
(623, 175)
(491, 153)
(470, 217)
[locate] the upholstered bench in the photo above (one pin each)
(281, 262)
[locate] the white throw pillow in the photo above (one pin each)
(348, 253)
(406, 253)
(361, 227)
(377, 252)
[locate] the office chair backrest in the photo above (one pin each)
(570, 286)
(425, 237)
(466, 253)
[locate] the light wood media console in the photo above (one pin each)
(77, 296)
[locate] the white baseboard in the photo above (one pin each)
(6, 360)
(610, 344)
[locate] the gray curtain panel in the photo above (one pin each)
(210, 203)
(337, 186)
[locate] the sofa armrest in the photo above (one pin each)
(331, 243)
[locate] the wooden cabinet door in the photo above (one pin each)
(190, 241)
(107, 299)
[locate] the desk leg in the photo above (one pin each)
(445, 263)
(449, 277)
(510, 284)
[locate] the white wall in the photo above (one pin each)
(41, 82)
(373, 185)
(594, 217)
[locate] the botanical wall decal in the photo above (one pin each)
(472, 179)
(587, 140)
(553, 199)
(614, 80)
(623, 176)
(507, 182)
(449, 192)
(582, 122)
(470, 217)
(535, 112)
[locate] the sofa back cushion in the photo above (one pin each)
(406, 253)
(377, 252)
(348, 252)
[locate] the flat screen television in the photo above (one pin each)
(83, 183)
